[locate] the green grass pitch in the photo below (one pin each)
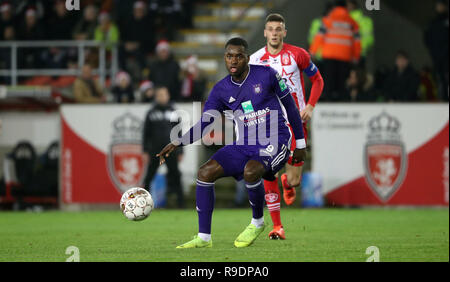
(312, 235)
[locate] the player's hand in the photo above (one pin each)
(165, 152)
(306, 113)
(299, 155)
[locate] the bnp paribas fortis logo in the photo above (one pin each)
(385, 158)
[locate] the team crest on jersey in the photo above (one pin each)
(126, 165)
(285, 59)
(257, 88)
(385, 158)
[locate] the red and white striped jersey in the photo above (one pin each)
(290, 63)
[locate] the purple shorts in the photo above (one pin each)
(233, 158)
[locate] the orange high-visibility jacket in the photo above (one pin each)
(338, 37)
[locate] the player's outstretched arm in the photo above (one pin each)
(165, 152)
(189, 137)
(212, 109)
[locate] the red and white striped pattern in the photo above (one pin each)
(273, 207)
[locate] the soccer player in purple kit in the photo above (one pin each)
(257, 100)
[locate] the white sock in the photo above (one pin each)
(258, 222)
(205, 237)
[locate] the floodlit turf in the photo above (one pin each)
(312, 235)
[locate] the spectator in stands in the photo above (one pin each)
(147, 91)
(365, 24)
(165, 70)
(436, 40)
(194, 81)
(158, 125)
(60, 23)
(42, 7)
(9, 33)
(55, 58)
(338, 38)
(6, 17)
(137, 42)
(106, 31)
(359, 86)
(314, 29)
(169, 16)
(123, 89)
(30, 29)
(86, 88)
(403, 81)
(5, 53)
(85, 27)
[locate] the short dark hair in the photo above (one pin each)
(274, 17)
(402, 53)
(237, 41)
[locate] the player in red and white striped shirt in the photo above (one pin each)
(290, 62)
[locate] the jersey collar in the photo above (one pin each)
(277, 54)
(240, 84)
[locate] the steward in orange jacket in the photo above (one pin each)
(338, 37)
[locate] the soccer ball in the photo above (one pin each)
(136, 204)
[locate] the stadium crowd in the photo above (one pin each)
(126, 23)
(146, 57)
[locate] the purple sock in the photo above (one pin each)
(256, 198)
(205, 199)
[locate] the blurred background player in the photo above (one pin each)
(158, 124)
(247, 158)
(290, 62)
(339, 40)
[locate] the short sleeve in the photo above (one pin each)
(214, 103)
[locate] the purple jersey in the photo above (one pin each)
(256, 108)
(253, 105)
(259, 107)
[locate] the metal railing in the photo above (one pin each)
(102, 71)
